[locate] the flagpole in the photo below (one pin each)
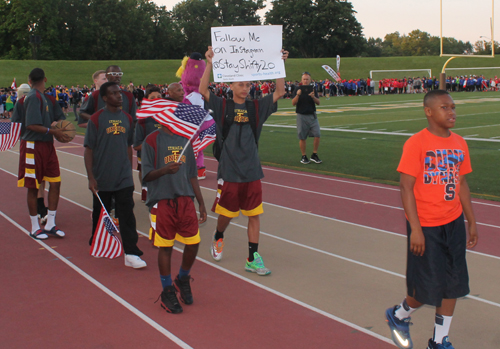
(189, 140)
(106, 212)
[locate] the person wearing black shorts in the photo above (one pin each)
(435, 197)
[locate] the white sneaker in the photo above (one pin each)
(216, 248)
(134, 261)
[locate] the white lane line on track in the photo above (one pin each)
(311, 176)
(308, 191)
(274, 169)
(309, 248)
(103, 288)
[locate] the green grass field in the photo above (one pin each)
(359, 141)
(163, 71)
(360, 137)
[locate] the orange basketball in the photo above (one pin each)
(69, 129)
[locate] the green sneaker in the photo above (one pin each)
(257, 265)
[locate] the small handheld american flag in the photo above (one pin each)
(105, 243)
(182, 119)
(9, 134)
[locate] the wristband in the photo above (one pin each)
(48, 129)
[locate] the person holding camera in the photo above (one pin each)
(305, 101)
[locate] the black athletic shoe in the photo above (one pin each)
(315, 158)
(169, 300)
(304, 159)
(183, 286)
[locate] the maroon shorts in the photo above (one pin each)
(37, 162)
(233, 197)
(174, 220)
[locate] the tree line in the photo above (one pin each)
(139, 29)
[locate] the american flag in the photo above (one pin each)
(105, 242)
(9, 134)
(182, 119)
(205, 138)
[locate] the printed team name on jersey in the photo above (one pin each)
(442, 167)
(240, 116)
(116, 129)
(175, 156)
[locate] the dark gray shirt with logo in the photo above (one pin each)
(239, 161)
(110, 135)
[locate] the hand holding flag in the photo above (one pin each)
(105, 243)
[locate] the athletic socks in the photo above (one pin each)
(252, 248)
(404, 310)
(219, 235)
(183, 272)
(441, 327)
(166, 280)
(34, 224)
(51, 220)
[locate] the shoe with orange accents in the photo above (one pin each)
(216, 248)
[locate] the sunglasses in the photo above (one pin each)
(115, 73)
(306, 72)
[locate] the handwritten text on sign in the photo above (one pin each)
(247, 53)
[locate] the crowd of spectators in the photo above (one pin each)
(72, 97)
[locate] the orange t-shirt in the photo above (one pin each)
(436, 163)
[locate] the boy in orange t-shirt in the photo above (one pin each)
(435, 197)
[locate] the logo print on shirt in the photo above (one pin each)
(174, 157)
(442, 167)
(116, 129)
(240, 116)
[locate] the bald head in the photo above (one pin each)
(176, 92)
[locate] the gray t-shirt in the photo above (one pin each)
(110, 135)
(36, 110)
(160, 149)
(143, 128)
(239, 161)
(90, 105)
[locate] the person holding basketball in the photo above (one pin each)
(435, 197)
(38, 159)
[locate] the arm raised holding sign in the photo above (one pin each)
(239, 123)
(240, 88)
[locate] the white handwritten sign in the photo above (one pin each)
(247, 53)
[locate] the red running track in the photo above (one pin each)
(48, 304)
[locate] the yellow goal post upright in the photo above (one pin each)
(442, 76)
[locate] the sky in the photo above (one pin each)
(465, 20)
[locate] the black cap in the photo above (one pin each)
(196, 55)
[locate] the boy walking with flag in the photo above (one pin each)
(172, 179)
(108, 161)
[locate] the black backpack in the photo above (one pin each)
(228, 119)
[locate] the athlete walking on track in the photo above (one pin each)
(435, 196)
(238, 125)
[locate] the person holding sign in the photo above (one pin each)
(239, 123)
(305, 101)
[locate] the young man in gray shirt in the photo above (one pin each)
(239, 172)
(108, 160)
